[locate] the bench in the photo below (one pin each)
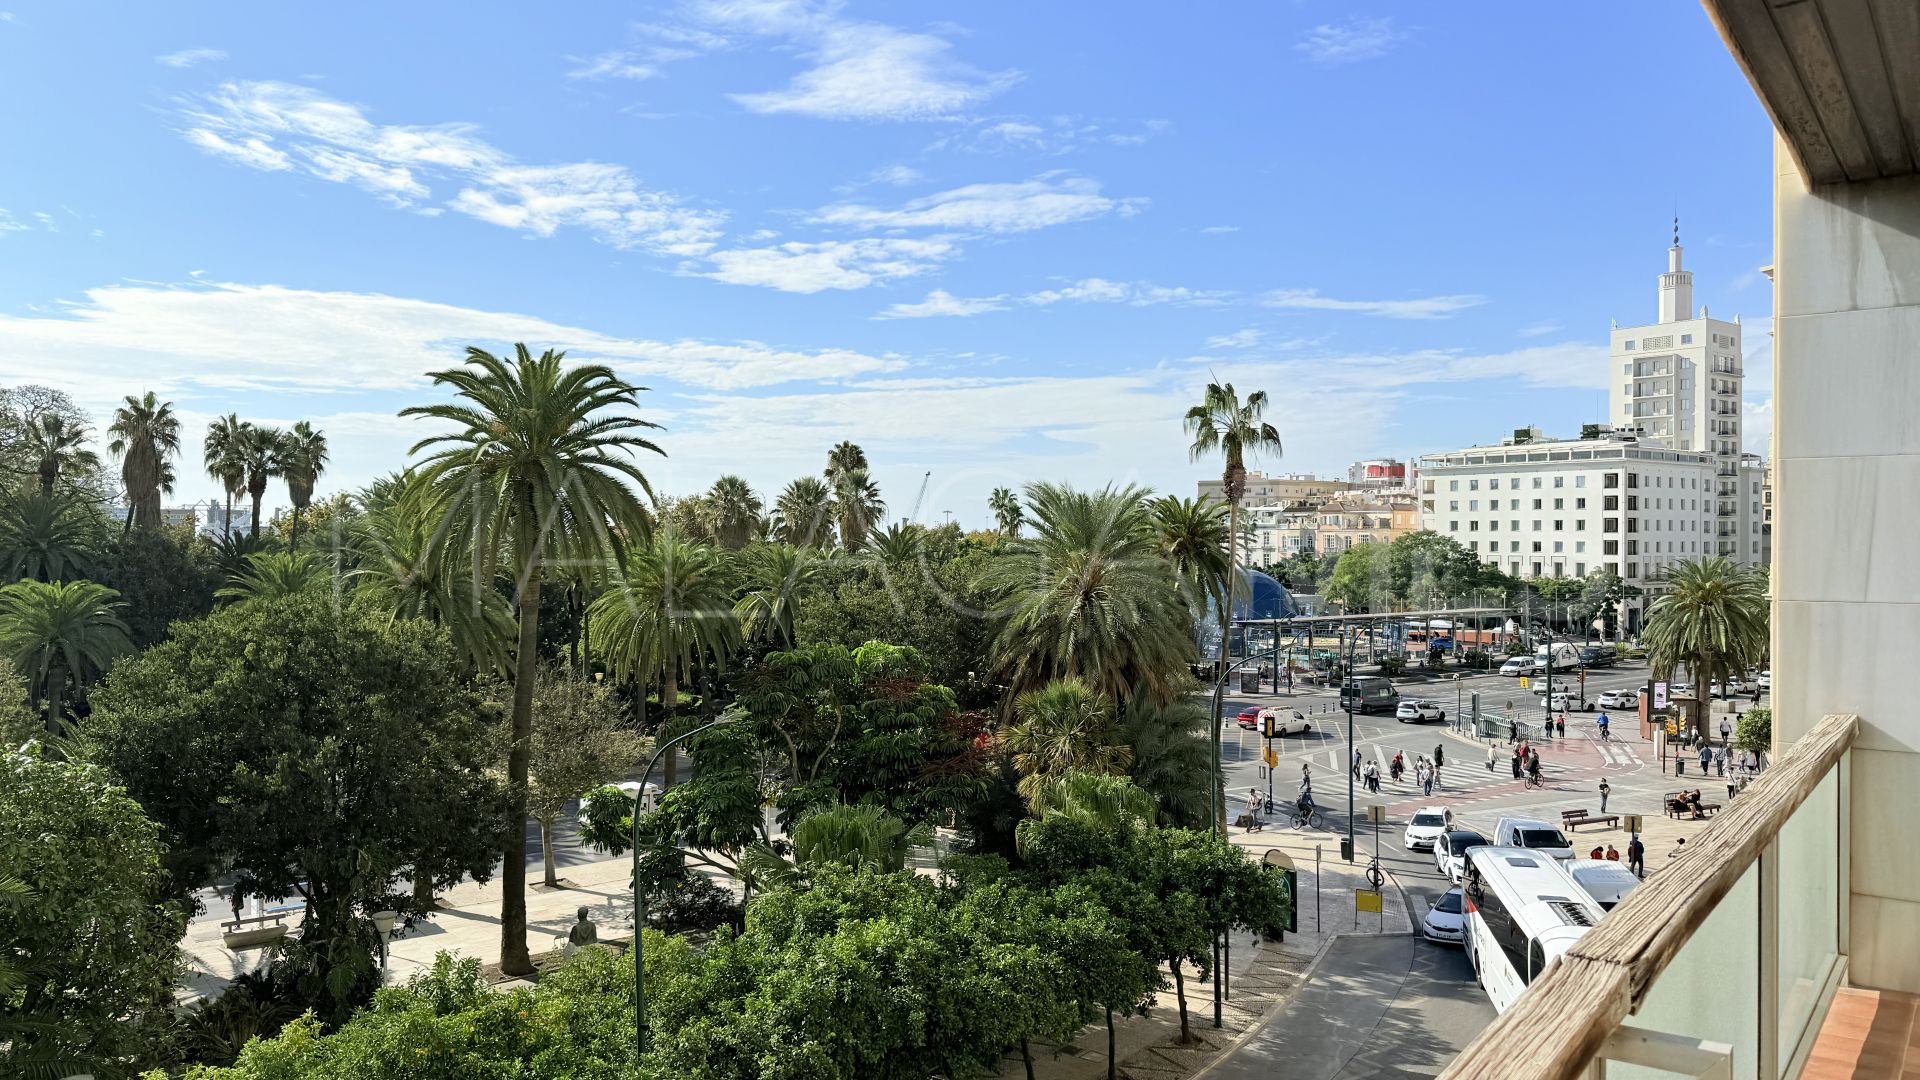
(271, 928)
(1571, 820)
(1666, 804)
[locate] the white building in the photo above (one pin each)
(1568, 507)
(1274, 533)
(1678, 382)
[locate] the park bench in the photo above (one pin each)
(1571, 820)
(264, 930)
(1666, 804)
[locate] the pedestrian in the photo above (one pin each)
(1606, 789)
(1613, 853)
(1426, 778)
(1706, 757)
(1356, 764)
(1719, 763)
(1563, 725)
(1439, 755)
(1399, 766)
(1493, 755)
(1533, 768)
(1516, 764)
(1726, 731)
(1253, 810)
(1513, 727)
(1637, 857)
(1547, 727)
(1306, 780)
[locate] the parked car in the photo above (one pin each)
(1618, 699)
(1564, 702)
(1446, 920)
(1249, 718)
(1450, 852)
(1597, 656)
(1518, 665)
(1534, 834)
(1426, 826)
(1680, 689)
(1288, 722)
(1765, 682)
(1419, 712)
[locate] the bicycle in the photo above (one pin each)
(1533, 781)
(1375, 876)
(1308, 819)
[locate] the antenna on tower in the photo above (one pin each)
(1676, 230)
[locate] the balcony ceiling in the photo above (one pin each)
(1841, 79)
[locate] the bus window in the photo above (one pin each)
(1536, 962)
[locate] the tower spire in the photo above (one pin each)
(1676, 285)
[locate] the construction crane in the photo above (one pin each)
(914, 514)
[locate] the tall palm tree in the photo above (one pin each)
(271, 575)
(1090, 596)
(46, 538)
(58, 448)
(857, 506)
(537, 466)
(262, 452)
(803, 514)
(666, 618)
(1006, 511)
(1193, 537)
(223, 460)
(146, 435)
(734, 510)
(1062, 726)
(776, 577)
(303, 457)
(403, 572)
(1711, 619)
(59, 634)
(844, 458)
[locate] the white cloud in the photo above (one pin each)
(1356, 39)
(832, 264)
(1043, 135)
(1045, 200)
(891, 175)
(281, 127)
(619, 64)
(1220, 230)
(8, 224)
(940, 302)
(1429, 307)
(1239, 339)
(1136, 293)
(187, 58)
(1539, 329)
(655, 47)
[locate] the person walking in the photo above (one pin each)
(1706, 757)
(1513, 726)
(1606, 789)
(1516, 764)
(1439, 754)
(1356, 764)
(1253, 810)
(1546, 728)
(1426, 779)
(1399, 766)
(1563, 725)
(1726, 731)
(1637, 857)
(1493, 756)
(1306, 779)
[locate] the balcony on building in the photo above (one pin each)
(1784, 943)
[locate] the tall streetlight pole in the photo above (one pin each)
(640, 895)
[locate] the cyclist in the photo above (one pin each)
(1602, 725)
(1533, 768)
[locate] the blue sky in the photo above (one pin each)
(998, 242)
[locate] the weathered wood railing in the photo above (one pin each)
(1565, 1020)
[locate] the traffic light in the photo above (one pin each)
(1267, 724)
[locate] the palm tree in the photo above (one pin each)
(734, 510)
(403, 571)
(262, 453)
(537, 464)
(1089, 596)
(1061, 726)
(60, 633)
(776, 577)
(852, 836)
(303, 457)
(1172, 756)
(58, 448)
(666, 618)
(271, 575)
(844, 458)
(1103, 800)
(224, 462)
(857, 506)
(803, 514)
(1710, 618)
(46, 538)
(896, 545)
(1006, 511)
(146, 434)
(1193, 537)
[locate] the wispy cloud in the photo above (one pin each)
(1135, 293)
(281, 127)
(1356, 39)
(890, 175)
(940, 302)
(1045, 135)
(653, 47)
(831, 264)
(1050, 199)
(1429, 307)
(187, 58)
(8, 224)
(1539, 329)
(1220, 230)
(1239, 339)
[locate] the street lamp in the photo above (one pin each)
(639, 894)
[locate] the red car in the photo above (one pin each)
(1249, 719)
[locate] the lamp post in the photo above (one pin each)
(640, 896)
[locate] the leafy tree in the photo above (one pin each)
(856, 498)
(735, 510)
(146, 435)
(936, 606)
(263, 454)
(776, 580)
(48, 537)
(61, 637)
(224, 459)
(85, 926)
(1102, 800)
(275, 574)
(1007, 514)
(59, 447)
(896, 547)
(1755, 731)
(404, 569)
(578, 745)
(1710, 617)
(24, 411)
(803, 514)
(303, 457)
(1090, 597)
(537, 465)
(1172, 757)
(163, 575)
(1062, 727)
(308, 751)
(857, 837)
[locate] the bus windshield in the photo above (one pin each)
(1539, 838)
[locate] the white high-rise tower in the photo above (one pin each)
(1677, 382)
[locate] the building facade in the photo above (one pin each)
(1365, 518)
(1381, 473)
(1274, 533)
(1264, 490)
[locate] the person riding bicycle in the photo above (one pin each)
(1303, 806)
(1602, 724)
(1533, 768)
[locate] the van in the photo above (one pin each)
(1534, 834)
(1369, 694)
(1517, 665)
(1608, 881)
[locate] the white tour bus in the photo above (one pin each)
(1523, 912)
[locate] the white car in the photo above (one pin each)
(1285, 723)
(1680, 689)
(1720, 690)
(1766, 680)
(1419, 712)
(1565, 703)
(1450, 852)
(1517, 665)
(1618, 699)
(1446, 920)
(1427, 825)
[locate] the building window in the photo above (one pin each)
(1610, 480)
(1580, 548)
(1536, 524)
(1559, 504)
(1629, 344)
(1493, 526)
(1473, 504)
(1512, 504)
(1493, 484)
(1559, 524)
(1579, 524)
(1473, 545)
(1686, 339)
(1514, 525)
(1610, 547)
(1453, 526)
(1536, 569)
(1610, 502)
(1536, 504)
(1559, 481)
(1453, 485)
(1536, 482)
(1473, 485)
(1633, 570)
(1473, 526)
(1578, 504)
(1580, 481)
(1536, 548)
(1609, 524)
(1453, 504)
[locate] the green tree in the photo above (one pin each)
(162, 575)
(940, 609)
(1193, 537)
(578, 745)
(88, 932)
(1710, 617)
(1007, 514)
(1089, 596)
(308, 751)
(59, 448)
(896, 547)
(776, 579)
(1062, 727)
(1221, 423)
(274, 574)
(1360, 581)
(1102, 800)
(1755, 731)
(803, 514)
(263, 454)
(303, 457)
(61, 636)
(538, 464)
(146, 435)
(224, 460)
(1172, 756)
(736, 512)
(406, 568)
(856, 498)
(48, 537)
(851, 836)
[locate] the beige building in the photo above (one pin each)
(1264, 490)
(1366, 518)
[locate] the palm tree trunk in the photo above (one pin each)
(669, 701)
(256, 517)
(56, 698)
(293, 538)
(513, 871)
(226, 523)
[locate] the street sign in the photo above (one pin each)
(1270, 757)
(1377, 814)
(1525, 682)
(1632, 823)
(1367, 900)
